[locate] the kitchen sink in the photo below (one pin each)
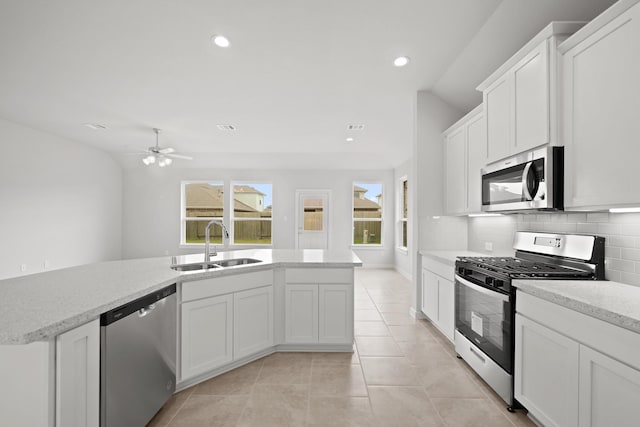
(195, 267)
(236, 261)
(215, 264)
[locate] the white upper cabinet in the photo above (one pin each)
(465, 155)
(601, 95)
(520, 97)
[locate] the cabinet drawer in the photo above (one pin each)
(319, 275)
(440, 268)
(225, 284)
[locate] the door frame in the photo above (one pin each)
(324, 192)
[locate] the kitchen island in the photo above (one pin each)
(304, 297)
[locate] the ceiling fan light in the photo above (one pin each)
(168, 161)
(149, 160)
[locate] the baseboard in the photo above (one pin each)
(325, 348)
(416, 314)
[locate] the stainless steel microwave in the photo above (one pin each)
(529, 181)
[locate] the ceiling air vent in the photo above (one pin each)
(355, 126)
(226, 127)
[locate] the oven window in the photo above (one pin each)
(485, 319)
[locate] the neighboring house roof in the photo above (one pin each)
(205, 196)
(365, 204)
(246, 189)
(359, 189)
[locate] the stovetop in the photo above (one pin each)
(522, 268)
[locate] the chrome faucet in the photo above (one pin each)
(207, 234)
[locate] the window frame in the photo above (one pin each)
(183, 212)
(233, 219)
(402, 219)
(381, 219)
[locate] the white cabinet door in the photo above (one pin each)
(497, 101)
(546, 373)
(456, 172)
(78, 376)
(207, 334)
(252, 321)
(476, 160)
(609, 391)
(601, 127)
(446, 307)
(335, 314)
(301, 313)
(430, 295)
(531, 100)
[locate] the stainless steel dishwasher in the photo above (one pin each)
(137, 359)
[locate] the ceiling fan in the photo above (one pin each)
(162, 156)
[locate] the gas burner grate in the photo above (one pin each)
(517, 267)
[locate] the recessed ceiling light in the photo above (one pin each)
(226, 127)
(355, 126)
(96, 126)
(401, 61)
(221, 41)
(350, 139)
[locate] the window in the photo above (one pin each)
(252, 213)
(202, 202)
(403, 213)
(367, 214)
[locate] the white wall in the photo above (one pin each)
(434, 116)
(61, 202)
(620, 230)
(151, 225)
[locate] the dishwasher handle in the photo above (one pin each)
(143, 306)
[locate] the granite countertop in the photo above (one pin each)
(40, 306)
(612, 302)
(449, 257)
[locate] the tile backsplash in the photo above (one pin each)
(620, 230)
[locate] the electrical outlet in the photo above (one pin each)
(488, 246)
(23, 267)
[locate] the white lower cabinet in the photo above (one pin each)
(609, 391)
(78, 376)
(546, 373)
(319, 306)
(438, 296)
(252, 321)
(301, 315)
(572, 369)
(207, 334)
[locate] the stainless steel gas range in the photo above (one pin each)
(485, 297)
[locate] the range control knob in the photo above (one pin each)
(498, 283)
(467, 272)
(488, 280)
(460, 270)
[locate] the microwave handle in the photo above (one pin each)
(525, 187)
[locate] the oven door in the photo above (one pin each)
(485, 317)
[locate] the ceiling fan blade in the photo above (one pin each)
(139, 153)
(167, 150)
(179, 156)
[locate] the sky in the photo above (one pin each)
(373, 190)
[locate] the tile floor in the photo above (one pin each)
(403, 373)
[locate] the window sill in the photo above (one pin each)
(402, 250)
(368, 247)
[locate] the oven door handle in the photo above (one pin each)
(481, 289)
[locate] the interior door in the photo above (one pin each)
(312, 223)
